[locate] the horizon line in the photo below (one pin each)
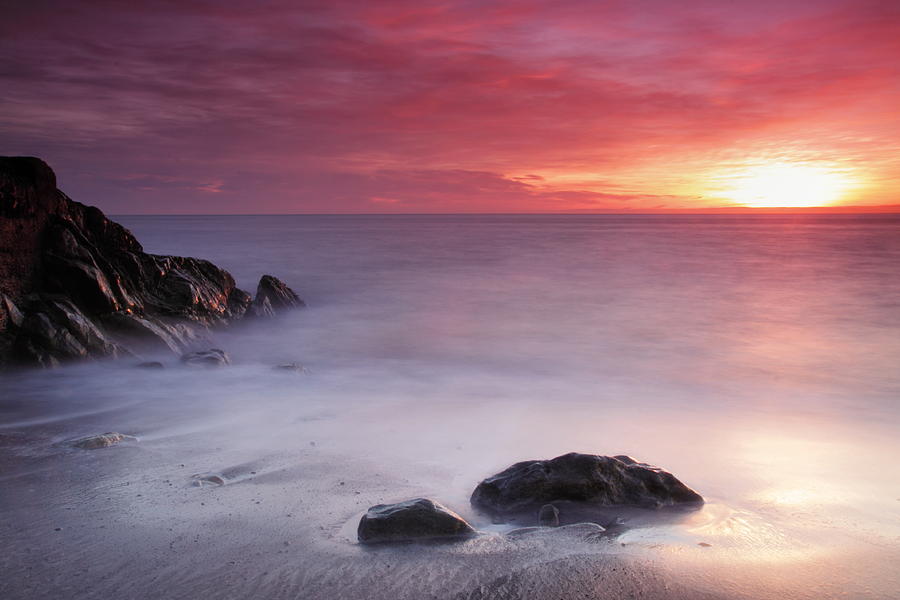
(668, 213)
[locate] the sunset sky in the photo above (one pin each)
(196, 106)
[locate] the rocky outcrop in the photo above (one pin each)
(581, 478)
(418, 519)
(272, 296)
(75, 285)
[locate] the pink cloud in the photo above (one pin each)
(338, 106)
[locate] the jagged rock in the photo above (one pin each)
(548, 516)
(104, 440)
(11, 319)
(213, 357)
(9, 312)
(418, 519)
(582, 478)
(75, 285)
(261, 307)
(272, 296)
(54, 330)
(153, 333)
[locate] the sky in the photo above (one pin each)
(196, 106)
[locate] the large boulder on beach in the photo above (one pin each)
(582, 478)
(75, 285)
(418, 519)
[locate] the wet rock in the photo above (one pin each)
(214, 357)
(151, 364)
(417, 519)
(548, 516)
(11, 319)
(273, 296)
(153, 335)
(201, 479)
(261, 307)
(104, 440)
(582, 478)
(9, 312)
(54, 330)
(75, 285)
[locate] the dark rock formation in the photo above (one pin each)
(272, 296)
(581, 478)
(75, 285)
(418, 519)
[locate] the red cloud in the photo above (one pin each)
(337, 106)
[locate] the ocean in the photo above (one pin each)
(755, 357)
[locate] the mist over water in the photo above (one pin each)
(755, 357)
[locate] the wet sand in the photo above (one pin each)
(129, 521)
(275, 530)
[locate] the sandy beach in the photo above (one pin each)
(304, 455)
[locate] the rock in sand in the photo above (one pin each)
(104, 440)
(417, 519)
(582, 478)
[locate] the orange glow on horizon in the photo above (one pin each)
(786, 185)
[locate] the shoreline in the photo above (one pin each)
(132, 524)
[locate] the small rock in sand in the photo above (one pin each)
(417, 519)
(104, 440)
(201, 479)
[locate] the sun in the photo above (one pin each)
(787, 185)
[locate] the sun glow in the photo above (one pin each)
(788, 185)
